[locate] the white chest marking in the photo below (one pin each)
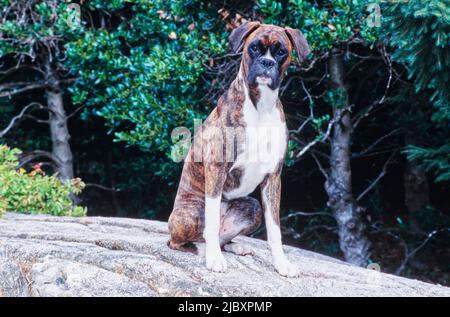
(265, 142)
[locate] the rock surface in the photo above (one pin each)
(92, 256)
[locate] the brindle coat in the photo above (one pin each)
(213, 176)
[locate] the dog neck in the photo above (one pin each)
(263, 98)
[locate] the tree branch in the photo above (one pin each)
(374, 144)
(75, 111)
(409, 255)
(325, 136)
(102, 187)
(19, 117)
(322, 170)
(381, 101)
(30, 156)
(306, 214)
(377, 179)
(5, 91)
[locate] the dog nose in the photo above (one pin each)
(267, 63)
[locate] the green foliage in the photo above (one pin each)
(34, 192)
(420, 33)
(337, 98)
(319, 122)
(143, 75)
(327, 25)
(44, 26)
(324, 26)
(435, 160)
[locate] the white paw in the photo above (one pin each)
(286, 268)
(238, 249)
(216, 262)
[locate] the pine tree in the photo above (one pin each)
(420, 33)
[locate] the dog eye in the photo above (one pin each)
(254, 48)
(281, 52)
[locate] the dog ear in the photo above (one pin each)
(299, 42)
(238, 36)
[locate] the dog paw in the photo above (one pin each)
(216, 263)
(286, 268)
(238, 249)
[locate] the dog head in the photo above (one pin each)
(267, 51)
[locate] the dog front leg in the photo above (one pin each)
(214, 179)
(270, 194)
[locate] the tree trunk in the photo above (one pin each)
(59, 131)
(416, 185)
(351, 229)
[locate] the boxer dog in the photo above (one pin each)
(212, 202)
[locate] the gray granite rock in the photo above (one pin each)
(94, 256)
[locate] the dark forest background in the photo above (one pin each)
(92, 90)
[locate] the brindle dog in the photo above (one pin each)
(212, 202)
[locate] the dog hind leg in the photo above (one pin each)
(241, 217)
(185, 227)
